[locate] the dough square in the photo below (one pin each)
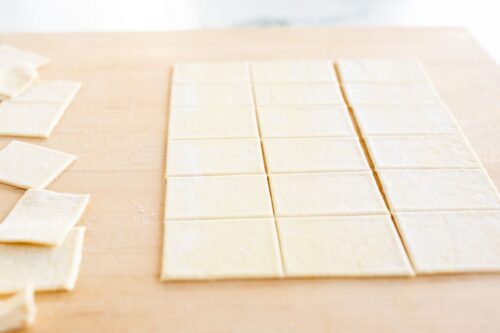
(45, 268)
(43, 217)
(213, 197)
(215, 72)
(50, 91)
(15, 79)
(29, 119)
(389, 92)
(404, 119)
(18, 311)
(214, 157)
(211, 95)
(421, 152)
(220, 249)
(11, 55)
(452, 242)
(293, 71)
(293, 94)
(30, 166)
(342, 246)
(314, 155)
(381, 70)
(442, 189)
(323, 194)
(305, 121)
(212, 122)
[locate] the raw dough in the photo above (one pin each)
(222, 72)
(46, 268)
(293, 71)
(15, 79)
(342, 246)
(452, 242)
(380, 93)
(293, 94)
(211, 95)
(214, 157)
(219, 249)
(50, 91)
(18, 311)
(380, 70)
(218, 197)
(29, 166)
(314, 155)
(449, 189)
(13, 56)
(322, 194)
(43, 217)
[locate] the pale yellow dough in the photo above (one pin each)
(387, 93)
(10, 55)
(293, 94)
(50, 91)
(239, 94)
(282, 71)
(14, 79)
(214, 72)
(381, 70)
(18, 311)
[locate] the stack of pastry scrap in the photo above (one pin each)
(285, 169)
(40, 247)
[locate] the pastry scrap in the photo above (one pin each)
(50, 91)
(15, 79)
(18, 311)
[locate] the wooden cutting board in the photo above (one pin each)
(117, 128)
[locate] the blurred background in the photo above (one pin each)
(481, 17)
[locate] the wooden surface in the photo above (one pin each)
(117, 128)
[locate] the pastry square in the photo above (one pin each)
(282, 71)
(11, 55)
(389, 92)
(50, 91)
(239, 94)
(296, 94)
(211, 72)
(381, 70)
(18, 311)
(15, 79)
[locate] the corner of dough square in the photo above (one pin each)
(305, 121)
(50, 91)
(212, 122)
(452, 242)
(212, 72)
(18, 311)
(212, 197)
(290, 94)
(234, 94)
(389, 92)
(30, 166)
(323, 194)
(283, 71)
(342, 246)
(314, 155)
(13, 55)
(381, 70)
(14, 79)
(439, 189)
(43, 217)
(45, 268)
(220, 249)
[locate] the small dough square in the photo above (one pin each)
(15, 79)
(305, 121)
(221, 249)
(211, 95)
(293, 71)
(389, 92)
(50, 91)
(381, 70)
(324, 194)
(452, 242)
(30, 166)
(443, 189)
(212, 197)
(18, 311)
(293, 94)
(212, 122)
(45, 268)
(43, 217)
(421, 152)
(342, 246)
(214, 157)
(314, 155)
(11, 55)
(215, 72)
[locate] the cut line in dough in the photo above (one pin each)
(282, 71)
(15, 79)
(50, 91)
(18, 311)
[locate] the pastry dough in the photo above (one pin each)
(43, 217)
(449, 189)
(293, 94)
(18, 311)
(215, 72)
(421, 152)
(29, 166)
(342, 246)
(50, 91)
(306, 121)
(380, 93)
(214, 157)
(314, 155)
(13, 56)
(381, 70)
(46, 268)
(219, 249)
(452, 242)
(293, 71)
(15, 79)
(218, 197)
(323, 194)
(211, 95)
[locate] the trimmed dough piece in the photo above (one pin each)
(18, 311)
(239, 94)
(381, 70)
(305, 121)
(214, 157)
(448, 189)
(219, 249)
(321, 194)
(46, 268)
(29, 119)
(421, 152)
(342, 246)
(218, 197)
(50, 91)
(293, 71)
(389, 92)
(404, 119)
(10, 55)
(212, 122)
(293, 94)
(314, 155)
(15, 79)
(452, 242)
(215, 72)
(30, 166)
(43, 217)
